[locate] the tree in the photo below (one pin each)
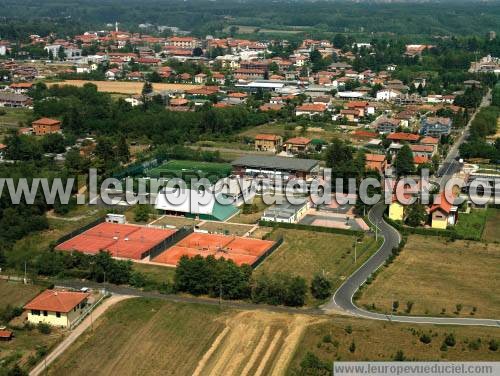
(403, 163)
(147, 88)
(415, 214)
(141, 213)
(122, 150)
(321, 287)
(197, 52)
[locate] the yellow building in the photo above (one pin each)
(443, 213)
(56, 307)
(396, 211)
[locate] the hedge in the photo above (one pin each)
(449, 233)
(298, 226)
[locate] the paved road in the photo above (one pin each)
(75, 333)
(450, 164)
(342, 301)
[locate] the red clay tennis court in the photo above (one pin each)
(125, 241)
(240, 250)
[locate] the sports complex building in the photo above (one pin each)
(166, 246)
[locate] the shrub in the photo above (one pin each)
(348, 329)
(327, 338)
(409, 306)
(400, 356)
(395, 306)
(449, 340)
(458, 309)
(352, 347)
(321, 287)
(44, 328)
(493, 345)
(425, 338)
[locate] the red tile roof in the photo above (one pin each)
(46, 121)
(298, 141)
(422, 148)
(429, 141)
(375, 157)
(420, 160)
(57, 301)
(5, 334)
(444, 205)
(311, 107)
(399, 136)
(267, 137)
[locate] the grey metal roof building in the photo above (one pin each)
(276, 163)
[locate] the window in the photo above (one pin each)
(58, 314)
(35, 312)
(45, 313)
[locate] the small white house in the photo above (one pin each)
(387, 94)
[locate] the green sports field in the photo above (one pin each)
(191, 169)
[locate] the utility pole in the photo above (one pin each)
(24, 280)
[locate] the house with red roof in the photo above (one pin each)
(56, 307)
(268, 142)
(45, 126)
(311, 109)
(297, 145)
(443, 212)
(377, 162)
(401, 137)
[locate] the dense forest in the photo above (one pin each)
(19, 18)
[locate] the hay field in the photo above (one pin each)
(124, 87)
(183, 339)
(436, 275)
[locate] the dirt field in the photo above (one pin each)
(124, 87)
(226, 228)
(16, 294)
(222, 342)
(438, 275)
(378, 341)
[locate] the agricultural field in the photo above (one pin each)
(226, 228)
(441, 278)
(123, 87)
(220, 341)
(307, 253)
(191, 169)
(491, 233)
(332, 339)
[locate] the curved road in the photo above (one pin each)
(342, 300)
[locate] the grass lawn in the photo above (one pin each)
(438, 275)
(491, 233)
(251, 218)
(191, 169)
(380, 341)
(471, 225)
(226, 228)
(307, 253)
(16, 294)
(156, 273)
(143, 337)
